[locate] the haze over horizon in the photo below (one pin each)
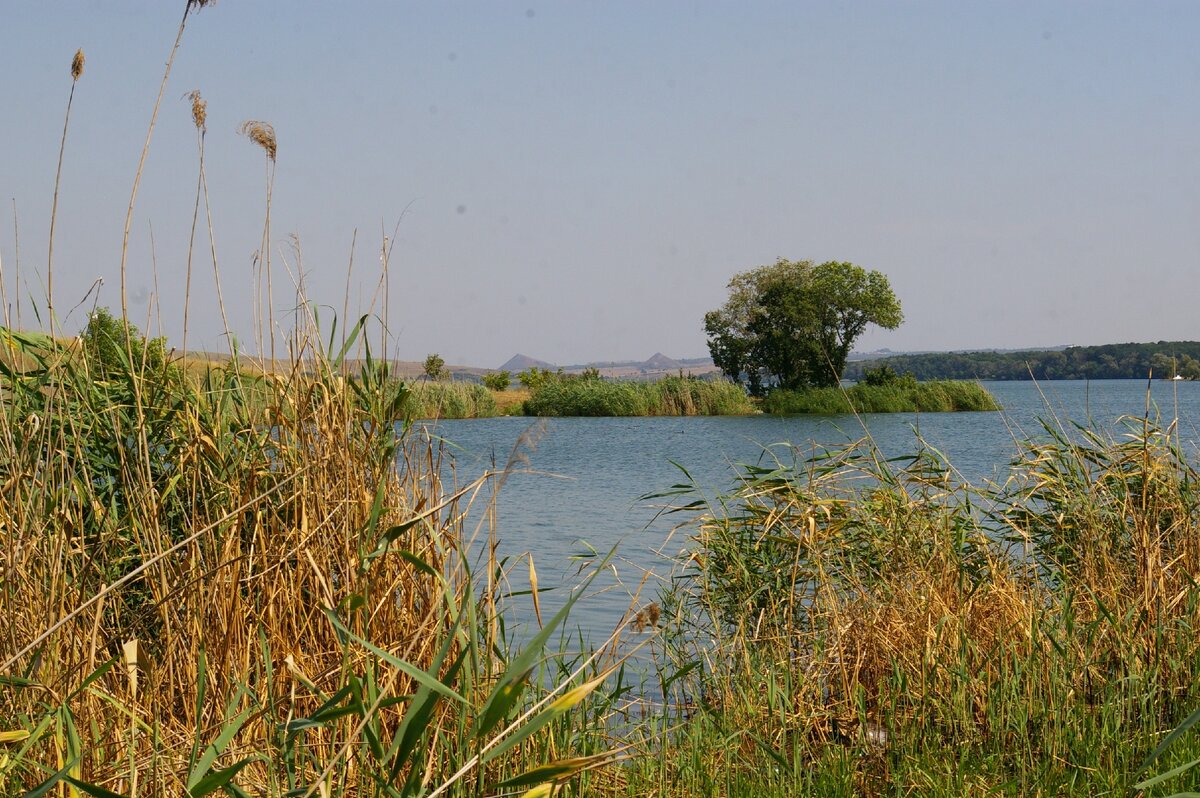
(578, 182)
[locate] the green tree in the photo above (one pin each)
(498, 380)
(103, 341)
(435, 367)
(533, 377)
(793, 324)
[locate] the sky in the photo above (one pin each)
(578, 181)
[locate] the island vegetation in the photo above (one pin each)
(792, 325)
(883, 391)
(786, 333)
(589, 395)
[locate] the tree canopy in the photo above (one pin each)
(1162, 359)
(792, 324)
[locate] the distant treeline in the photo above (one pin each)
(1110, 361)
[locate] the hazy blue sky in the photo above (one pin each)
(578, 181)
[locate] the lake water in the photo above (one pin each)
(592, 471)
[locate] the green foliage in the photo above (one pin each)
(793, 324)
(688, 396)
(108, 343)
(671, 396)
(587, 398)
(1108, 362)
(435, 367)
(1166, 366)
(901, 395)
(534, 377)
(450, 400)
(884, 375)
(114, 425)
(498, 380)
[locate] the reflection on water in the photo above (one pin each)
(587, 474)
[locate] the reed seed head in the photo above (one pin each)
(199, 109)
(262, 134)
(77, 64)
(199, 3)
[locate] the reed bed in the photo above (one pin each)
(670, 396)
(270, 597)
(432, 400)
(850, 627)
(908, 396)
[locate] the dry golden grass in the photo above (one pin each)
(509, 402)
(241, 553)
(857, 604)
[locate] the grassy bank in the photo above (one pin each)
(904, 396)
(851, 629)
(670, 396)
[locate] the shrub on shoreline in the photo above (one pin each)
(450, 400)
(670, 396)
(901, 396)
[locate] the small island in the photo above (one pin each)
(787, 330)
(779, 345)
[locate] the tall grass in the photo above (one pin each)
(852, 629)
(450, 400)
(670, 396)
(280, 597)
(934, 396)
(255, 581)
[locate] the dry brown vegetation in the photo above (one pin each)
(870, 620)
(285, 580)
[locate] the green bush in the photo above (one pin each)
(671, 396)
(903, 395)
(533, 377)
(450, 400)
(498, 380)
(586, 398)
(435, 367)
(108, 353)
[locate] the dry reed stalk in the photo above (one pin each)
(346, 294)
(199, 121)
(137, 178)
(4, 295)
(212, 245)
(263, 134)
(17, 262)
(137, 389)
(76, 73)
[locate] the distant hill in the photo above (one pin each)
(1106, 362)
(519, 363)
(660, 362)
